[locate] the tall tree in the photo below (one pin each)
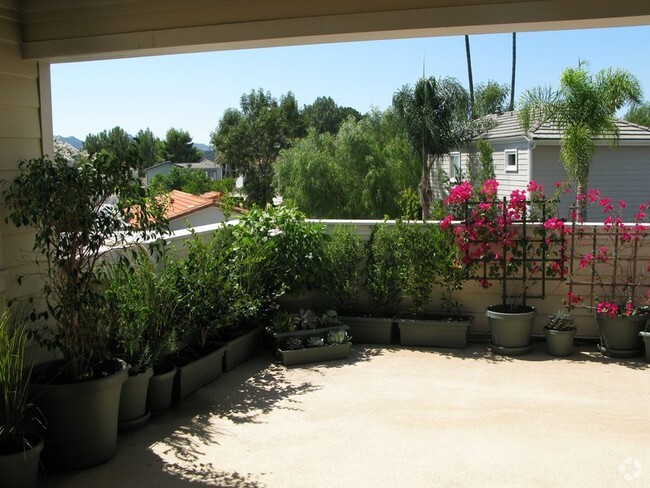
(324, 115)
(250, 139)
(435, 114)
(514, 70)
(639, 114)
(178, 147)
(490, 98)
(583, 108)
(470, 77)
(115, 142)
(146, 150)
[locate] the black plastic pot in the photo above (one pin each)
(161, 385)
(619, 336)
(20, 470)
(133, 401)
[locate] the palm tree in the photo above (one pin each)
(435, 115)
(514, 70)
(584, 108)
(468, 54)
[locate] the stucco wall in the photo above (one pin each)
(21, 103)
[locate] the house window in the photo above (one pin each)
(512, 164)
(454, 166)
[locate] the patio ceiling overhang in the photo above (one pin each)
(74, 30)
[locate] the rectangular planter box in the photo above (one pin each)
(200, 372)
(434, 332)
(315, 354)
(241, 349)
(278, 338)
(371, 330)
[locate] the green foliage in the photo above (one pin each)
(490, 98)
(306, 319)
(284, 252)
(141, 311)
(293, 344)
(324, 115)
(450, 273)
(315, 341)
(282, 321)
(583, 108)
(385, 256)
(17, 414)
(335, 337)
(342, 274)
(146, 150)
(178, 147)
(482, 164)
(115, 142)
(356, 174)
(435, 114)
(419, 266)
(639, 114)
(188, 180)
(69, 207)
(560, 320)
(249, 140)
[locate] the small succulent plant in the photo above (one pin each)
(560, 320)
(338, 337)
(330, 319)
(306, 319)
(283, 322)
(293, 343)
(315, 341)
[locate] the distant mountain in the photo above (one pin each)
(73, 141)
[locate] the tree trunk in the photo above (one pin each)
(581, 202)
(514, 69)
(469, 75)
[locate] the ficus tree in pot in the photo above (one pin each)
(343, 275)
(78, 210)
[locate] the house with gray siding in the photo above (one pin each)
(620, 173)
(211, 169)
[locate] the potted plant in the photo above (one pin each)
(434, 260)
(77, 210)
(645, 335)
(20, 445)
(305, 323)
(517, 241)
(611, 260)
(140, 307)
(335, 345)
(560, 331)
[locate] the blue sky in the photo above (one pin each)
(191, 91)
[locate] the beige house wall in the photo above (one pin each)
(24, 105)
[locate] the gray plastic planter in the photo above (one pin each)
(510, 332)
(81, 420)
(434, 332)
(369, 330)
(559, 342)
(619, 336)
(199, 372)
(133, 401)
(20, 470)
(315, 354)
(161, 385)
(242, 349)
(645, 335)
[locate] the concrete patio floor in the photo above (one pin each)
(398, 417)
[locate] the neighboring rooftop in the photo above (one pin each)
(182, 204)
(508, 126)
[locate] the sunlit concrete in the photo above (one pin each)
(397, 417)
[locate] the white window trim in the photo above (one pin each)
(511, 169)
(452, 168)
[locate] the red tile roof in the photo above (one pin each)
(182, 204)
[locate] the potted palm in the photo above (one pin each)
(560, 330)
(77, 210)
(20, 446)
(517, 241)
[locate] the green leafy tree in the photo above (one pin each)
(358, 173)
(250, 139)
(435, 114)
(178, 147)
(481, 164)
(115, 142)
(189, 181)
(583, 108)
(490, 98)
(324, 115)
(639, 114)
(146, 150)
